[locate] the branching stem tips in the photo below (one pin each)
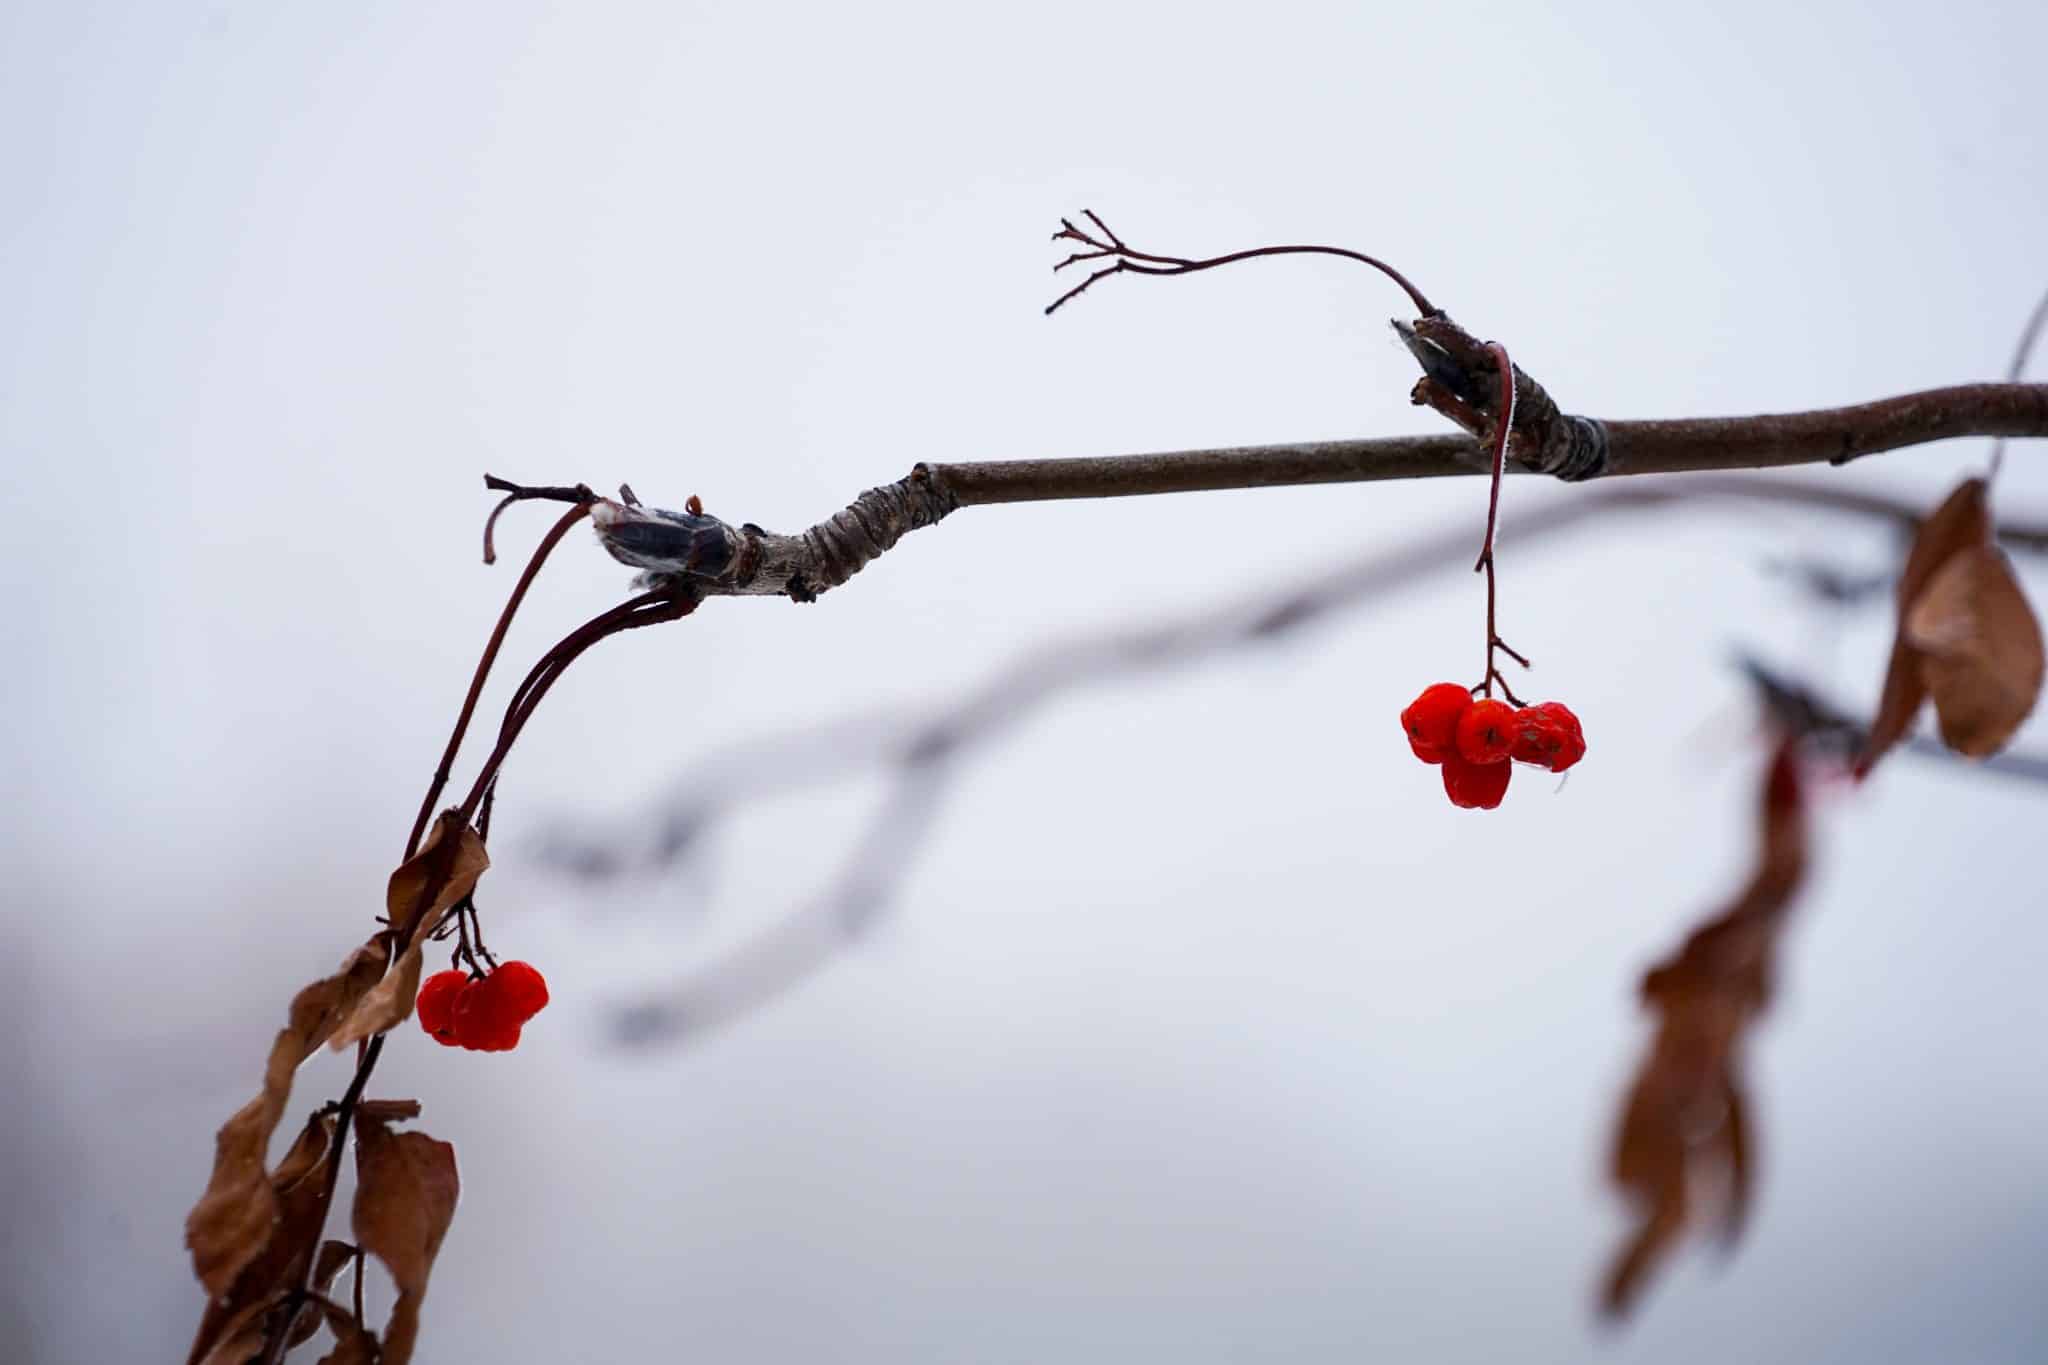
(1101, 244)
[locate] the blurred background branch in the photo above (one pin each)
(918, 749)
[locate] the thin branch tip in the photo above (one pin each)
(1149, 263)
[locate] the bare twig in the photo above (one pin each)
(580, 510)
(1829, 728)
(1103, 244)
(2029, 334)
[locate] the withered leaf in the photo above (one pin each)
(354, 1344)
(1981, 650)
(1966, 637)
(1685, 1114)
(241, 1337)
(1962, 520)
(296, 1187)
(353, 1347)
(420, 891)
(334, 1254)
(406, 1190)
(231, 1223)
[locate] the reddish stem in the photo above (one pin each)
(490, 655)
(1504, 426)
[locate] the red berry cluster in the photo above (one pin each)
(1475, 740)
(482, 1014)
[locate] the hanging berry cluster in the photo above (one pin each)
(481, 1013)
(1477, 740)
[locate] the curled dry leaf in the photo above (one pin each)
(295, 1188)
(1685, 1121)
(232, 1221)
(354, 1344)
(334, 1254)
(423, 888)
(241, 1336)
(1980, 650)
(326, 1265)
(406, 1190)
(1966, 637)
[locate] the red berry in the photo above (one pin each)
(1476, 786)
(525, 988)
(485, 1018)
(436, 1004)
(1431, 720)
(1486, 732)
(1549, 736)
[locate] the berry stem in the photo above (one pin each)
(1504, 427)
(576, 513)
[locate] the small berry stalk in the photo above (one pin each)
(1477, 739)
(1474, 741)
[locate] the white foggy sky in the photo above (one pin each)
(1205, 1030)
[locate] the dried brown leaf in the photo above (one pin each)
(1980, 650)
(334, 1254)
(1904, 693)
(421, 890)
(1962, 522)
(406, 1191)
(241, 1337)
(231, 1223)
(296, 1188)
(354, 1344)
(1685, 1115)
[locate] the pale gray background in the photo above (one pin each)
(1208, 1031)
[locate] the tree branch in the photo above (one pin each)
(719, 559)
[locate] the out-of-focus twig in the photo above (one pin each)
(2029, 335)
(921, 744)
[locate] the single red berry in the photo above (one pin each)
(436, 1004)
(1538, 738)
(1549, 736)
(1476, 786)
(485, 1018)
(1431, 720)
(525, 988)
(1486, 732)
